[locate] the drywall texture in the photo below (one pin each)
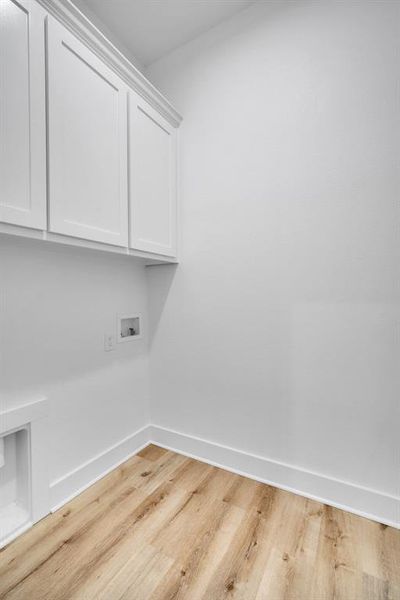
(277, 333)
(56, 305)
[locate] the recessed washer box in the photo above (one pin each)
(129, 327)
(24, 485)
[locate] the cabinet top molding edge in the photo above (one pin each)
(74, 20)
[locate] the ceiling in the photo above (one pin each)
(149, 29)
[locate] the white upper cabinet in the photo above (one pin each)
(22, 114)
(87, 121)
(152, 180)
(82, 154)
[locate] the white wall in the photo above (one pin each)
(276, 335)
(56, 305)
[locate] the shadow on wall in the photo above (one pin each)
(157, 301)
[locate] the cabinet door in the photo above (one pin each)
(87, 119)
(22, 114)
(152, 178)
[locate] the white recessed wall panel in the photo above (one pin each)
(22, 114)
(152, 180)
(87, 143)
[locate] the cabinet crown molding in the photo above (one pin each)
(74, 20)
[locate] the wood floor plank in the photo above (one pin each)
(166, 527)
(239, 557)
(212, 556)
(60, 573)
(158, 472)
(112, 566)
(193, 519)
(152, 452)
(89, 539)
(292, 561)
(191, 474)
(28, 553)
(143, 569)
(191, 548)
(141, 586)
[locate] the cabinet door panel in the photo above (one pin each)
(87, 143)
(152, 163)
(22, 114)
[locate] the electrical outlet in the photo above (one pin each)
(109, 342)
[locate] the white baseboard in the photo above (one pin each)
(344, 495)
(10, 538)
(356, 499)
(65, 488)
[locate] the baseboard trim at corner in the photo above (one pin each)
(72, 484)
(347, 496)
(16, 533)
(362, 501)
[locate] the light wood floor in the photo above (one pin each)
(166, 527)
